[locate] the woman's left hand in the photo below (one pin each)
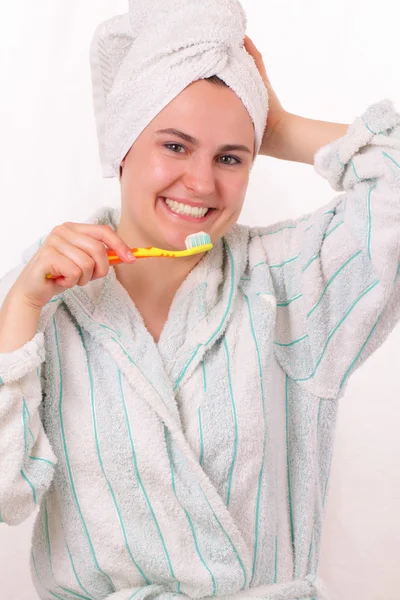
(276, 112)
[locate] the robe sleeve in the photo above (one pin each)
(335, 272)
(27, 461)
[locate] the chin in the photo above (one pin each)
(175, 240)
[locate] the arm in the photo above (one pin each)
(339, 296)
(18, 323)
(26, 459)
(298, 139)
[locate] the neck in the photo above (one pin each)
(151, 282)
(155, 280)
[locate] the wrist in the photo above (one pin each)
(271, 141)
(16, 300)
(18, 323)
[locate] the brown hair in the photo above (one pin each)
(216, 81)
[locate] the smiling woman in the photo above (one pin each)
(177, 179)
(182, 156)
(173, 419)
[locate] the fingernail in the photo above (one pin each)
(130, 256)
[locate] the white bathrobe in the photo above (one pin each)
(199, 466)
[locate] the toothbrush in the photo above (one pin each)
(195, 244)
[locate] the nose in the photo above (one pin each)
(199, 177)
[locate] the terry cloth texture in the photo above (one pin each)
(142, 60)
(199, 466)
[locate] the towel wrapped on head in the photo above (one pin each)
(142, 60)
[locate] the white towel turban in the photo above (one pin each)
(142, 60)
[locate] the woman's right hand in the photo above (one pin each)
(74, 253)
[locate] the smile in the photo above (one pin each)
(181, 209)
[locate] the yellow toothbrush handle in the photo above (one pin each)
(141, 253)
(114, 259)
(158, 252)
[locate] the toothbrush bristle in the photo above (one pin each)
(197, 239)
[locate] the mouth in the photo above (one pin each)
(188, 212)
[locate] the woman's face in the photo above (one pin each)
(189, 169)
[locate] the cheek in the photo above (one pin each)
(159, 177)
(235, 193)
(159, 173)
(149, 173)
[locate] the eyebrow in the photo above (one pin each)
(195, 142)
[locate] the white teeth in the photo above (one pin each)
(185, 209)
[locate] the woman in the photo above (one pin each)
(174, 418)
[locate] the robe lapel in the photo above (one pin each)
(199, 316)
(113, 324)
(203, 307)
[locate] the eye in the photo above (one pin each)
(229, 157)
(173, 147)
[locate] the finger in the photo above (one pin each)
(90, 247)
(105, 234)
(255, 53)
(83, 263)
(93, 239)
(64, 270)
(248, 42)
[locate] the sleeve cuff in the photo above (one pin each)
(15, 365)
(331, 161)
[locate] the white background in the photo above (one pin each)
(326, 60)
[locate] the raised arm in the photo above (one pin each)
(335, 272)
